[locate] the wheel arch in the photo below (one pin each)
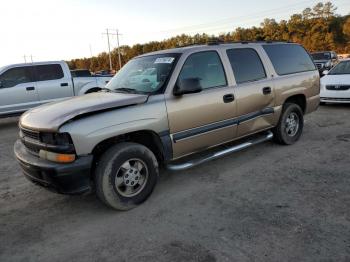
(93, 89)
(157, 143)
(299, 99)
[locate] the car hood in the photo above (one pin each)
(50, 117)
(335, 80)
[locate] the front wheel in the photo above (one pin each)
(290, 125)
(126, 175)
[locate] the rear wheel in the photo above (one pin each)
(290, 125)
(126, 175)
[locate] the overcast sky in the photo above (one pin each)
(66, 29)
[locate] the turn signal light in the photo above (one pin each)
(56, 157)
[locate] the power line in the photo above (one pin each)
(225, 23)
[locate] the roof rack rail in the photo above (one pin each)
(246, 42)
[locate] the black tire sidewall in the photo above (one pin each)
(111, 163)
(288, 109)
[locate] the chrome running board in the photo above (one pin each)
(175, 167)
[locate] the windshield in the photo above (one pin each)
(321, 56)
(147, 74)
(343, 68)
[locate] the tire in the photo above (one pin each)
(118, 184)
(322, 103)
(284, 133)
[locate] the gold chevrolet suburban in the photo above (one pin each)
(176, 108)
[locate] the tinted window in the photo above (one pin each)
(246, 65)
(49, 72)
(207, 67)
(15, 76)
(289, 58)
(80, 73)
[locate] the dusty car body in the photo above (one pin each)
(206, 96)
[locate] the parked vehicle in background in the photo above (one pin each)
(105, 73)
(335, 85)
(24, 86)
(324, 60)
(81, 73)
(198, 97)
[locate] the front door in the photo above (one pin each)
(201, 120)
(18, 90)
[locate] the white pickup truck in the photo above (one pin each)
(24, 86)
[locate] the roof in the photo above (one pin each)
(34, 63)
(197, 48)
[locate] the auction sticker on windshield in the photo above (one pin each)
(164, 60)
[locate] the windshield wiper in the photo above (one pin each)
(129, 90)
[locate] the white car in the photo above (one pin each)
(335, 85)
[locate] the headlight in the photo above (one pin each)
(56, 138)
(59, 147)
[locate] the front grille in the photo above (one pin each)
(338, 87)
(30, 134)
(319, 65)
(32, 148)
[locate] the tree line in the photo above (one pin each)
(317, 28)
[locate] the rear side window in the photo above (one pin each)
(207, 67)
(246, 65)
(49, 72)
(289, 58)
(16, 76)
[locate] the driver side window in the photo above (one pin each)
(16, 76)
(206, 66)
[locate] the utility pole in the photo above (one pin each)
(108, 33)
(109, 52)
(120, 61)
(25, 58)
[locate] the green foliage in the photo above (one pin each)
(317, 28)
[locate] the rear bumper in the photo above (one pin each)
(72, 178)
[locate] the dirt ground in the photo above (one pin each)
(267, 203)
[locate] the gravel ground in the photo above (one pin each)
(267, 203)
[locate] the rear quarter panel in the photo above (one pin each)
(305, 83)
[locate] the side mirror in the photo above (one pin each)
(187, 86)
(325, 72)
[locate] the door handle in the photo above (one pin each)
(228, 98)
(30, 88)
(64, 84)
(266, 90)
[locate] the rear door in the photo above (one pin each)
(254, 91)
(52, 83)
(18, 90)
